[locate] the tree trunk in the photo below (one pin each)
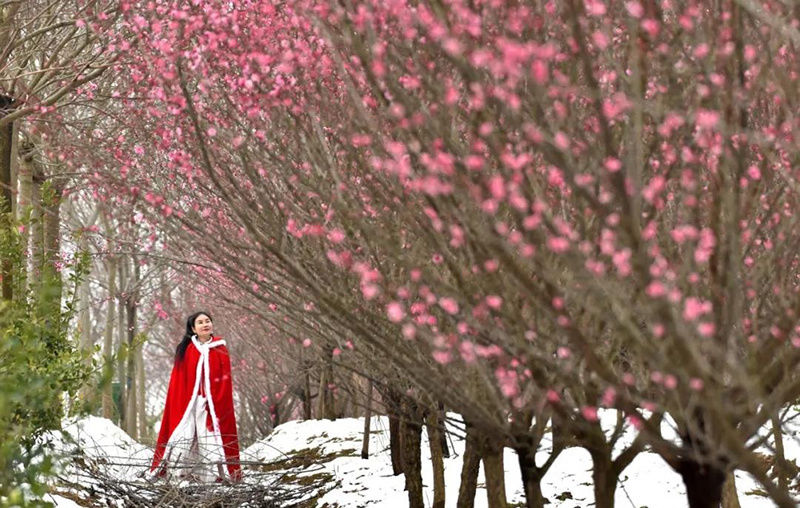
(130, 390)
(140, 395)
(51, 272)
(780, 456)
(437, 457)
(131, 311)
(121, 345)
(307, 390)
(24, 207)
(367, 422)
(443, 432)
(531, 477)
(395, 432)
(6, 191)
(412, 449)
(605, 479)
(703, 483)
(37, 227)
(108, 342)
(327, 403)
(492, 455)
(85, 325)
(469, 470)
(730, 498)
(25, 177)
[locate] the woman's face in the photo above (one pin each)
(202, 325)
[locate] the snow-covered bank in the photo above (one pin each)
(648, 481)
(92, 442)
(325, 455)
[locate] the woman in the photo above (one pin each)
(198, 435)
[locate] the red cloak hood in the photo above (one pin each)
(212, 362)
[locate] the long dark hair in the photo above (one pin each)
(187, 337)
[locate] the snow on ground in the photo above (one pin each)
(95, 442)
(327, 454)
(648, 481)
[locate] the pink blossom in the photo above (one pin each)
(595, 8)
(395, 312)
(683, 233)
(651, 26)
(589, 413)
(494, 301)
(449, 305)
(753, 172)
(701, 50)
(507, 379)
(612, 164)
(457, 236)
(696, 384)
(441, 357)
(655, 289)
(694, 307)
(540, 72)
(553, 397)
(452, 46)
(409, 331)
(707, 119)
(557, 244)
(654, 188)
(609, 396)
(621, 260)
(614, 106)
(467, 351)
(599, 39)
(336, 235)
(306, 342)
(706, 329)
(635, 421)
(561, 141)
(497, 187)
(369, 291)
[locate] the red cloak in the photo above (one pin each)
(208, 366)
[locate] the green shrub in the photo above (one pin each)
(40, 369)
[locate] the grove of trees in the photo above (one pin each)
(528, 213)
